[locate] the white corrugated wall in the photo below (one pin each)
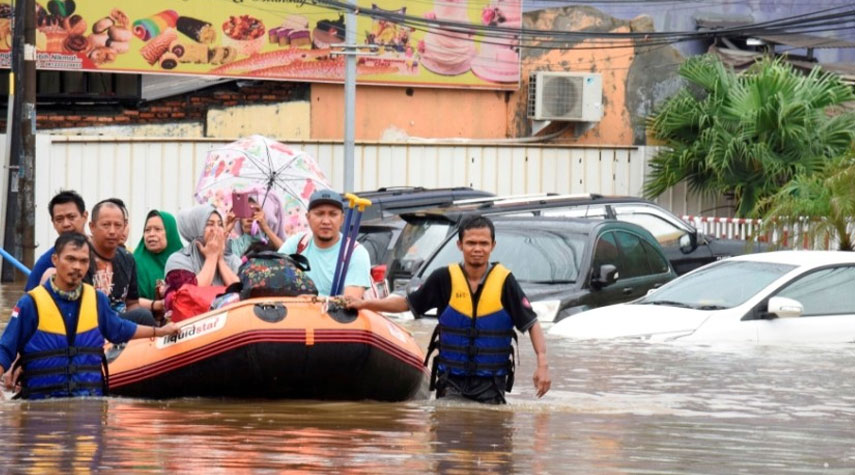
(150, 173)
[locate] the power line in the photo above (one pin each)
(824, 20)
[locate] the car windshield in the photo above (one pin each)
(718, 286)
(419, 239)
(533, 255)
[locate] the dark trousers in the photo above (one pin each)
(140, 316)
(473, 388)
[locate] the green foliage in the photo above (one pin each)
(748, 135)
(825, 199)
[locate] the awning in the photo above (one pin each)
(798, 40)
(740, 60)
(160, 86)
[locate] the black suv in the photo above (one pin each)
(568, 265)
(685, 248)
(381, 226)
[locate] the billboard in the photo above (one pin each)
(275, 39)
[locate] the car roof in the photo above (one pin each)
(455, 212)
(409, 198)
(801, 258)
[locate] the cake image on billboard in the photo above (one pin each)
(498, 59)
(445, 52)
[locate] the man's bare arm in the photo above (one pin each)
(392, 303)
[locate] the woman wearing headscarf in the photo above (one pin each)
(263, 227)
(203, 261)
(159, 240)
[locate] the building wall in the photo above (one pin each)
(286, 120)
(397, 112)
(183, 113)
(634, 80)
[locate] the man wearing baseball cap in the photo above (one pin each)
(321, 246)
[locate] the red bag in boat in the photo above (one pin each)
(191, 300)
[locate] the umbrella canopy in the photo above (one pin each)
(270, 170)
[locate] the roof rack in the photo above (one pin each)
(488, 199)
(549, 197)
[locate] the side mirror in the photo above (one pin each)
(606, 275)
(689, 242)
(783, 307)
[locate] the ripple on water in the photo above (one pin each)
(614, 407)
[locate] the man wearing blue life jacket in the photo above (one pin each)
(479, 304)
(59, 329)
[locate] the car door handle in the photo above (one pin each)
(627, 290)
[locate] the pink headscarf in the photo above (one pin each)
(272, 207)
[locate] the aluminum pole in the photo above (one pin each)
(6, 162)
(350, 99)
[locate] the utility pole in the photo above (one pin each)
(350, 99)
(351, 52)
(19, 233)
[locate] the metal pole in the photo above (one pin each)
(19, 236)
(4, 165)
(27, 172)
(350, 99)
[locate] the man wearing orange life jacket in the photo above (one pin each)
(59, 329)
(479, 304)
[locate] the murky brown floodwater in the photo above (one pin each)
(614, 408)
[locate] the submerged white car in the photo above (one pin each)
(773, 297)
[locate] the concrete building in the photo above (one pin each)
(635, 79)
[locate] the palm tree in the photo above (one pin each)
(825, 201)
(747, 135)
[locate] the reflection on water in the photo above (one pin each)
(614, 408)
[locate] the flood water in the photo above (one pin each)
(613, 408)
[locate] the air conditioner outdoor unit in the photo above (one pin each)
(558, 96)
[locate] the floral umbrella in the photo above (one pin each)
(268, 169)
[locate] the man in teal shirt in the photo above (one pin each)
(321, 247)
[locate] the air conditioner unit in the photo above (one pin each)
(565, 96)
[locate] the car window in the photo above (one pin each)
(533, 255)
(665, 232)
(376, 242)
(724, 284)
(632, 256)
(576, 211)
(657, 263)
(606, 252)
(824, 292)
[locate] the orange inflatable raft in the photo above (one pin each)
(280, 347)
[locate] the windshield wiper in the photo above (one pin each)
(670, 303)
(711, 307)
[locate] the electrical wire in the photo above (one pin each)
(830, 16)
(824, 20)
